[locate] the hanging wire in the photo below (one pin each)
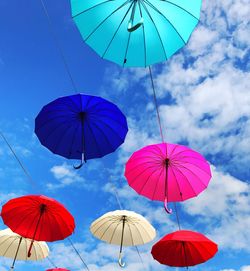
(116, 196)
(51, 262)
(160, 126)
(156, 104)
(177, 216)
(30, 179)
(58, 45)
(77, 252)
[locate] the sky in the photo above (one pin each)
(204, 101)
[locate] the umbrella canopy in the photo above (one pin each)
(124, 228)
(38, 218)
(16, 247)
(167, 172)
(81, 127)
(9, 243)
(184, 248)
(136, 32)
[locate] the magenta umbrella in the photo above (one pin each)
(167, 172)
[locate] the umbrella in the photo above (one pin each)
(81, 127)
(136, 32)
(16, 247)
(39, 218)
(57, 269)
(184, 248)
(123, 228)
(167, 172)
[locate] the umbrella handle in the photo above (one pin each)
(121, 263)
(82, 162)
(78, 166)
(169, 211)
(132, 28)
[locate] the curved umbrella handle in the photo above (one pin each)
(169, 211)
(82, 162)
(121, 263)
(132, 28)
(78, 166)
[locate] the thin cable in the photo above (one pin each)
(156, 104)
(30, 179)
(139, 254)
(117, 197)
(77, 252)
(177, 216)
(51, 262)
(58, 45)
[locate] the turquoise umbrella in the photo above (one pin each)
(136, 33)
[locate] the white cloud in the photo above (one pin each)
(66, 175)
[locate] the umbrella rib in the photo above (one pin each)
(126, 51)
(117, 29)
(189, 150)
(181, 9)
(156, 146)
(181, 165)
(150, 4)
(131, 234)
(87, 104)
(178, 183)
(151, 159)
(73, 102)
(58, 126)
(155, 29)
(107, 118)
(108, 229)
(173, 150)
(192, 174)
(145, 183)
(61, 138)
(157, 183)
(142, 164)
(118, 224)
(8, 247)
(97, 145)
(143, 171)
(204, 247)
(186, 180)
(110, 127)
(57, 108)
(73, 141)
(144, 38)
(124, 4)
(140, 233)
(91, 8)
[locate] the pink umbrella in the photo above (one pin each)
(167, 172)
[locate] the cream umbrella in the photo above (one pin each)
(16, 247)
(124, 228)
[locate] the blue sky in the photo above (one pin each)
(204, 103)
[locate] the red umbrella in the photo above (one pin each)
(38, 218)
(57, 269)
(184, 248)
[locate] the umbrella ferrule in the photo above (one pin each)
(42, 208)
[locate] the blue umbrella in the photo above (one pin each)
(81, 127)
(136, 33)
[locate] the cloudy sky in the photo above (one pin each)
(204, 99)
